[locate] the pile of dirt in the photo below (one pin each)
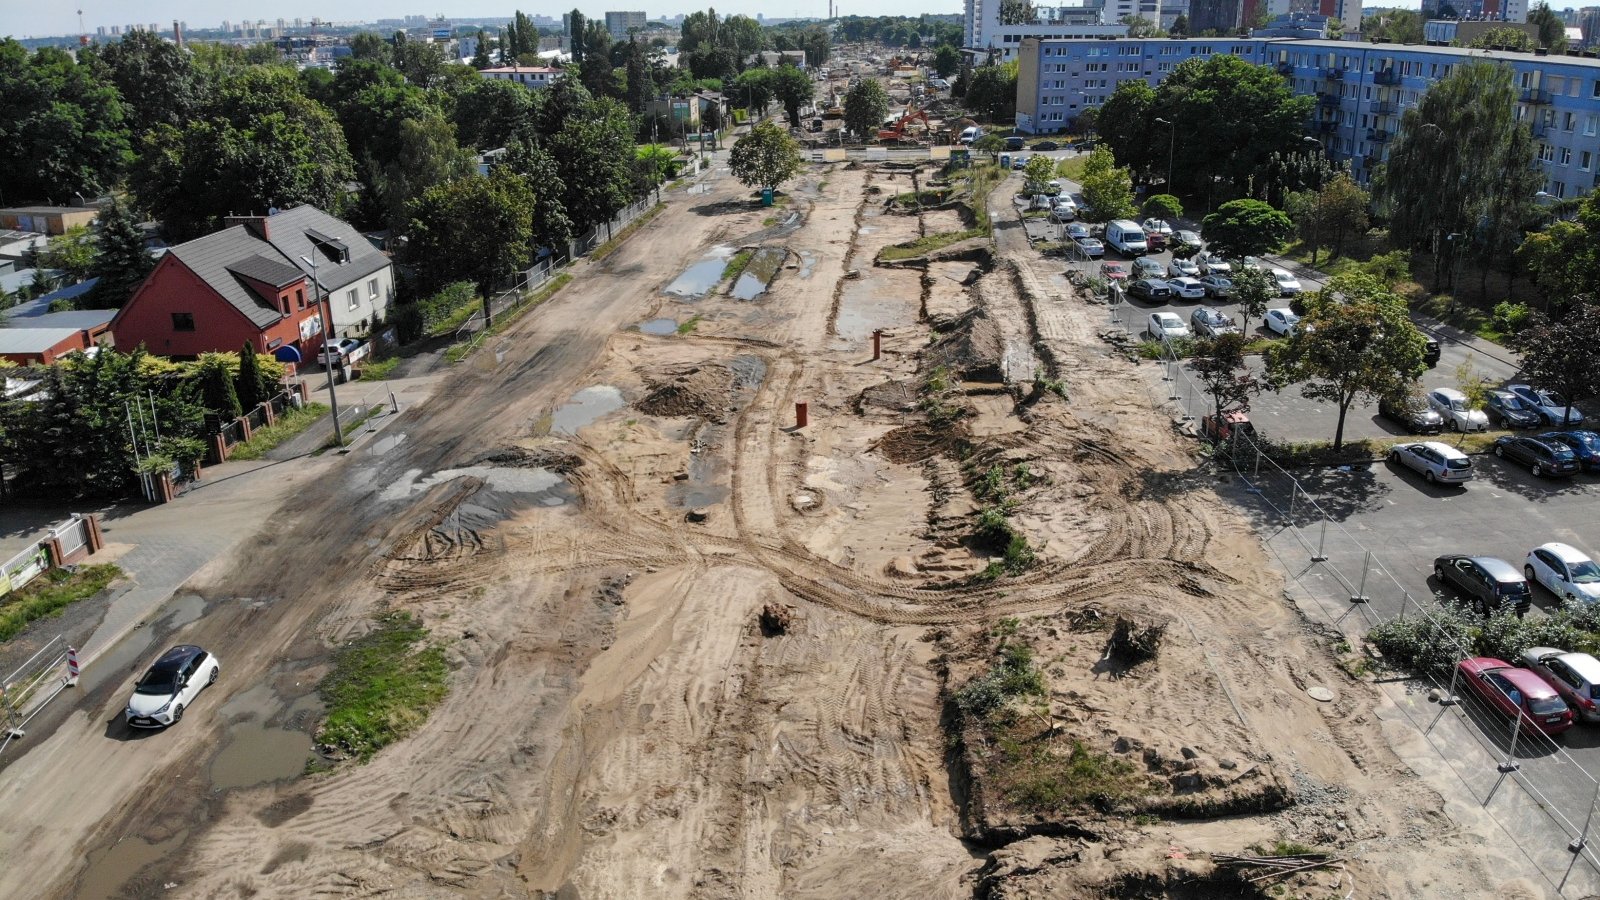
(549, 458)
(971, 349)
(893, 396)
(701, 391)
(922, 441)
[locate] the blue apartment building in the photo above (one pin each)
(1361, 90)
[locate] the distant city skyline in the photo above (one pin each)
(41, 20)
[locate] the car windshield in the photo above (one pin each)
(1510, 402)
(1546, 706)
(1458, 405)
(1585, 572)
(1169, 321)
(157, 682)
(1561, 451)
(1458, 463)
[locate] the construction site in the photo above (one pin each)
(776, 556)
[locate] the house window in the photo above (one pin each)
(1584, 159)
(353, 298)
(372, 289)
(1566, 156)
(183, 321)
(300, 298)
(285, 301)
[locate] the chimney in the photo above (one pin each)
(257, 224)
(177, 33)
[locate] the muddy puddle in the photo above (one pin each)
(703, 277)
(759, 272)
(546, 488)
(659, 327)
(111, 867)
(585, 406)
(255, 751)
(384, 443)
(808, 263)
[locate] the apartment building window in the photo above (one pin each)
(1557, 83)
(1572, 87)
(1568, 121)
(372, 289)
(1566, 156)
(353, 298)
(1559, 188)
(1547, 153)
(1585, 160)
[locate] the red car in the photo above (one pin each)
(1114, 270)
(1512, 690)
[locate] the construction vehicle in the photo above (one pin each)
(896, 130)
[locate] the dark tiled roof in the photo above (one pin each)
(267, 271)
(211, 258)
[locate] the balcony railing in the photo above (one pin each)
(1384, 108)
(1386, 76)
(1378, 135)
(1536, 96)
(1328, 99)
(1539, 129)
(1285, 68)
(1333, 74)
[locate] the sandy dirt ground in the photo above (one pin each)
(592, 516)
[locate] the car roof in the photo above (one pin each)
(1528, 682)
(1450, 393)
(1498, 569)
(1166, 315)
(1501, 394)
(175, 658)
(1443, 449)
(1585, 665)
(1563, 552)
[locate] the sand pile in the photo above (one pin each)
(701, 391)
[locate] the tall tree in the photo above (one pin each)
(946, 60)
(473, 229)
(1562, 354)
(1552, 31)
(793, 88)
(122, 263)
(62, 129)
(992, 93)
(158, 83)
(252, 386)
(1219, 364)
(593, 151)
(1246, 228)
(1254, 290)
(426, 154)
(1128, 126)
(865, 106)
(754, 87)
(1355, 341)
(1107, 189)
(1334, 213)
(641, 86)
(480, 56)
(217, 391)
(73, 253)
(699, 30)
(765, 157)
(366, 45)
(494, 113)
(421, 62)
(552, 227)
(596, 71)
(576, 29)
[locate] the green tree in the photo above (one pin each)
(1254, 291)
(122, 263)
(1355, 342)
(1246, 228)
(641, 86)
(1140, 27)
(1561, 259)
(1213, 152)
(480, 56)
(73, 253)
(1562, 354)
(946, 60)
(1552, 31)
(1395, 26)
(62, 128)
(494, 113)
(1037, 174)
(252, 386)
(754, 87)
(1506, 37)
(865, 107)
(593, 152)
(473, 229)
(1163, 206)
(1219, 364)
(1127, 125)
(743, 35)
(793, 88)
(1106, 188)
(699, 29)
(552, 227)
(158, 83)
(426, 154)
(596, 72)
(765, 157)
(992, 93)
(1334, 213)
(366, 45)
(421, 62)
(260, 143)
(1017, 12)
(1180, 26)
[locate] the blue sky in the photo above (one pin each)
(20, 19)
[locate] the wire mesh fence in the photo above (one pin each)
(1508, 756)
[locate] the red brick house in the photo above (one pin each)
(251, 283)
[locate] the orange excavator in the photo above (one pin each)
(897, 131)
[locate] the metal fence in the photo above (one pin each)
(23, 568)
(1509, 766)
(35, 683)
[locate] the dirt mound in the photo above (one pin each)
(701, 391)
(922, 441)
(549, 458)
(894, 396)
(971, 349)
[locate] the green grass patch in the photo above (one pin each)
(382, 687)
(689, 326)
(928, 244)
(609, 247)
(1072, 168)
(456, 316)
(736, 264)
(290, 422)
(50, 593)
(458, 351)
(378, 371)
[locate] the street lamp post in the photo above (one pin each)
(1172, 146)
(327, 332)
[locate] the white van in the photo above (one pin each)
(1126, 237)
(970, 134)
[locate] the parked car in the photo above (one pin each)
(1208, 322)
(1063, 214)
(1187, 288)
(1575, 676)
(1145, 267)
(1165, 326)
(1585, 445)
(1550, 406)
(1288, 285)
(1015, 142)
(1517, 693)
(1183, 268)
(1438, 463)
(1060, 200)
(1126, 237)
(1542, 457)
(1019, 162)
(1078, 230)
(169, 686)
(1092, 248)
(1564, 570)
(1114, 271)
(1489, 584)
(1212, 263)
(1282, 321)
(1452, 404)
(1412, 414)
(1217, 286)
(1187, 238)
(1254, 262)
(1150, 289)
(1047, 145)
(1507, 410)
(1157, 234)
(1043, 202)
(334, 352)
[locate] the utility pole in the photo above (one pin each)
(327, 334)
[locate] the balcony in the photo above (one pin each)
(1285, 68)
(1333, 74)
(1539, 129)
(1384, 108)
(1328, 100)
(1325, 127)
(1536, 96)
(1386, 76)
(1371, 161)
(1378, 135)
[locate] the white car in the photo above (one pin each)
(1452, 404)
(1438, 463)
(1254, 262)
(1213, 264)
(1288, 285)
(1567, 571)
(1575, 676)
(1187, 288)
(1208, 322)
(171, 684)
(1064, 201)
(1165, 326)
(1153, 225)
(334, 351)
(1183, 268)
(1282, 321)
(1551, 406)
(1063, 214)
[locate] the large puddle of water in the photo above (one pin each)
(254, 752)
(659, 327)
(759, 272)
(111, 867)
(703, 277)
(585, 406)
(871, 303)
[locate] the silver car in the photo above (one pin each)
(1213, 263)
(1217, 286)
(1438, 463)
(1208, 322)
(1145, 267)
(1183, 268)
(1575, 676)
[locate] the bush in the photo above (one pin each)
(1012, 675)
(1427, 645)
(1391, 268)
(1509, 317)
